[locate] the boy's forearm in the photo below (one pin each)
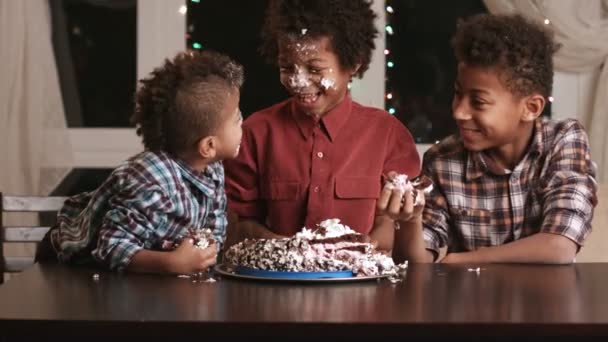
(541, 248)
(383, 232)
(146, 261)
(409, 243)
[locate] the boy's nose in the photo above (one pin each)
(460, 112)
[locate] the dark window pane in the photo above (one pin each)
(95, 51)
(98, 75)
(420, 80)
(233, 27)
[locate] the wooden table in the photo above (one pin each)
(499, 300)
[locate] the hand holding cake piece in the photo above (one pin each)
(402, 183)
(401, 199)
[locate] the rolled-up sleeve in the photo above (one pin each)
(435, 216)
(133, 218)
(569, 188)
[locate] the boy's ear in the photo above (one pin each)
(355, 70)
(207, 147)
(534, 106)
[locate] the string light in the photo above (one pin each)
(547, 21)
(183, 9)
(197, 45)
(550, 98)
(389, 64)
(196, 1)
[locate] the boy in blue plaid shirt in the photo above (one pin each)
(188, 114)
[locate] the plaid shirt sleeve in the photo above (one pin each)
(569, 187)
(435, 215)
(135, 214)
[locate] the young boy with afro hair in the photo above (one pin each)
(511, 186)
(143, 217)
(318, 155)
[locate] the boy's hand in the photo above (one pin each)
(187, 258)
(398, 205)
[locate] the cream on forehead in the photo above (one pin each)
(305, 49)
(302, 45)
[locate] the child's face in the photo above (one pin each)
(488, 115)
(312, 74)
(229, 133)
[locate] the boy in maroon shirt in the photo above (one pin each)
(319, 154)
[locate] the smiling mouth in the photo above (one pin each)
(308, 98)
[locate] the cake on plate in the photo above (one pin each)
(329, 247)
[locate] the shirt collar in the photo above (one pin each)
(206, 181)
(538, 140)
(477, 166)
(333, 121)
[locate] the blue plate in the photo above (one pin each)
(292, 275)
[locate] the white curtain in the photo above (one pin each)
(34, 144)
(581, 27)
(35, 153)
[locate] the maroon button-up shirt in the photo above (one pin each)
(294, 172)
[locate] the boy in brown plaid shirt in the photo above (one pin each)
(510, 187)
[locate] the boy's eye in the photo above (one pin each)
(478, 103)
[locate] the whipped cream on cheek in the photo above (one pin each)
(328, 82)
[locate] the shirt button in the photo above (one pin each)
(320, 154)
(316, 189)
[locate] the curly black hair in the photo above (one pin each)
(348, 23)
(181, 101)
(520, 49)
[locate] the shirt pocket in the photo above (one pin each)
(282, 191)
(357, 187)
(472, 226)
